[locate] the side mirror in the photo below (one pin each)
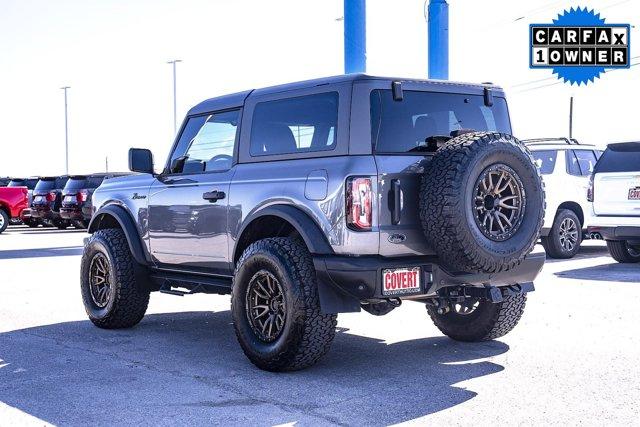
(140, 160)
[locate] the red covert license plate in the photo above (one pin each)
(634, 193)
(401, 281)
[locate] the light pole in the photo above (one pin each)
(66, 131)
(175, 112)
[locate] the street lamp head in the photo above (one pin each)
(65, 87)
(174, 61)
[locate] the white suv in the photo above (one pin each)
(565, 166)
(615, 192)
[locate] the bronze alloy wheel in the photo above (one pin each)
(100, 280)
(265, 306)
(499, 202)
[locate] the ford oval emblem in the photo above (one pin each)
(396, 238)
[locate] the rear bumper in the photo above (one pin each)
(72, 213)
(361, 277)
(617, 232)
(44, 212)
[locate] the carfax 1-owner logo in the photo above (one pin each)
(578, 46)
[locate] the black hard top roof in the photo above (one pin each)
(625, 146)
(237, 99)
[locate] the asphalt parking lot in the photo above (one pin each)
(572, 359)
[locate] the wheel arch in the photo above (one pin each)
(115, 216)
(277, 221)
(575, 208)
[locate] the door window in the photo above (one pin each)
(207, 143)
(586, 161)
(545, 160)
(572, 163)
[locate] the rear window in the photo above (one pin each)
(29, 183)
(51, 184)
(17, 183)
(399, 126)
(623, 157)
(295, 125)
(545, 160)
(75, 184)
(94, 181)
(45, 185)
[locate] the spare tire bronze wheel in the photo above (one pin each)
(482, 203)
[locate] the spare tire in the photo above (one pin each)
(482, 203)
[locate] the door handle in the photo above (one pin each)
(214, 196)
(396, 206)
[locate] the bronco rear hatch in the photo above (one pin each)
(405, 131)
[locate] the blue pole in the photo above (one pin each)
(438, 39)
(355, 36)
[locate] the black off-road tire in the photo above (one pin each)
(129, 294)
(622, 252)
(4, 220)
(307, 333)
(447, 197)
(487, 322)
(552, 243)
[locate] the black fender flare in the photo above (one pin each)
(332, 299)
(128, 226)
(310, 232)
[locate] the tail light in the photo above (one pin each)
(51, 197)
(590, 189)
(359, 203)
(81, 196)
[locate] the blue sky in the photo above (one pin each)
(113, 54)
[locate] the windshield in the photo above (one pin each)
(400, 126)
(545, 160)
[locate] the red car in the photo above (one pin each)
(13, 200)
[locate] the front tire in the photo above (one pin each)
(113, 295)
(475, 321)
(276, 308)
(565, 236)
(622, 252)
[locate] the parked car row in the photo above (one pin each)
(569, 170)
(56, 201)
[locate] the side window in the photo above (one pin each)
(545, 160)
(572, 163)
(206, 143)
(586, 161)
(295, 125)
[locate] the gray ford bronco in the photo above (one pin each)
(322, 197)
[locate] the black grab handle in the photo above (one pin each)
(214, 196)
